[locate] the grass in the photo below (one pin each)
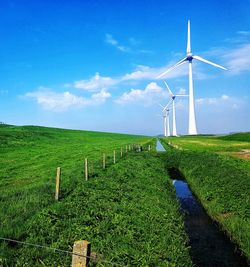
(210, 143)
(222, 185)
(29, 157)
(245, 137)
(129, 213)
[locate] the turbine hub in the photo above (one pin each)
(189, 57)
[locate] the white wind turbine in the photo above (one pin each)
(173, 96)
(192, 130)
(165, 114)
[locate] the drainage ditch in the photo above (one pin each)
(209, 246)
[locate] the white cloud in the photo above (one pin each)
(95, 83)
(225, 97)
(238, 59)
(131, 48)
(50, 100)
(141, 72)
(181, 91)
(110, 40)
(241, 37)
(223, 100)
(147, 73)
(244, 33)
(99, 98)
(148, 96)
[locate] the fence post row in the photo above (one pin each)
(58, 175)
(104, 162)
(86, 169)
(81, 253)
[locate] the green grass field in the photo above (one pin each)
(211, 143)
(29, 158)
(220, 181)
(128, 212)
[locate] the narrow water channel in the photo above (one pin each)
(209, 246)
(159, 146)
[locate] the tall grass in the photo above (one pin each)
(222, 184)
(29, 157)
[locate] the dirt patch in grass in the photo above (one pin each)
(243, 154)
(226, 215)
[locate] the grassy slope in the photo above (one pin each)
(244, 137)
(222, 184)
(129, 213)
(29, 157)
(212, 143)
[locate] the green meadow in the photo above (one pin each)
(229, 143)
(219, 179)
(128, 211)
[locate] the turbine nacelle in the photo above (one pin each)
(189, 57)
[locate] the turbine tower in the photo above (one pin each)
(165, 112)
(173, 97)
(192, 130)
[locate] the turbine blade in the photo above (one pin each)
(170, 92)
(170, 102)
(188, 39)
(161, 105)
(171, 68)
(181, 95)
(209, 62)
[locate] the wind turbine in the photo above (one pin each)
(192, 130)
(165, 112)
(173, 96)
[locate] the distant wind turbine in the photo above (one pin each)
(165, 113)
(192, 130)
(173, 96)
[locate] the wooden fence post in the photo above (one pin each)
(58, 175)
(126, 148)
(121, 152)
(103, 161)
(86, 169)
(114, 156)
(81, 253)
(129, 148)
(149, 147)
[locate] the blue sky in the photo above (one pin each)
(92, 65)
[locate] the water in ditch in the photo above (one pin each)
(209, 245)
(159, 146)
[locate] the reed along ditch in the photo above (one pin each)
(209, 246)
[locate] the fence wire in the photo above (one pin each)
(95, 164)
(58, 250)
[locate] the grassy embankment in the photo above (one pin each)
(236, 145)
(128, 212)
(221, 182)
(29, 157)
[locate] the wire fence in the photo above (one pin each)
(56, 250)
(95, 167)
